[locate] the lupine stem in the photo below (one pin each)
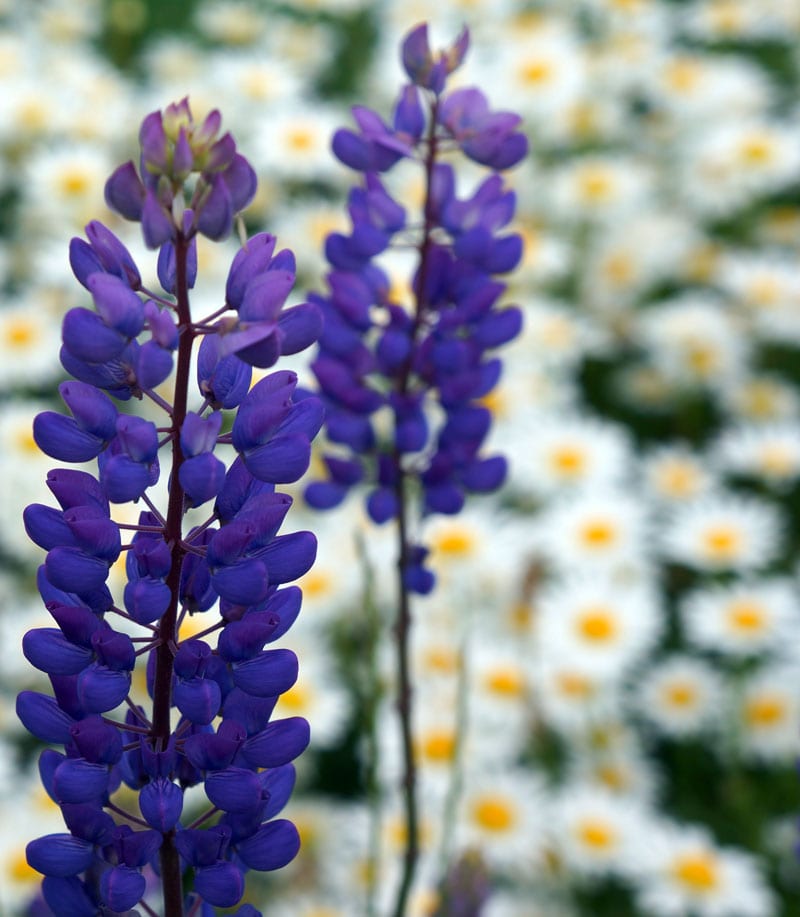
(403, 623)
(171, 878)
(404, 703)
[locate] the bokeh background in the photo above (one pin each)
(608, 673)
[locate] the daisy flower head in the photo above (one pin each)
(761, 398)
(29, 342)
(231, 22)
(502, 815)
(599, 187)
(610, 755)
(680, 695)
(769, 453)
(65, 187)
(720, 532)
(599, 624)
(568, 453)
(743, 618)
(634, 253)
(766, 288)
(500, 684)
(767, 713)
(691, 86)
(693, 341)
(295, 143)
(684, 871)
(675, 474)
(595, 831)
(557, 336)
(600, 530)
(568, 695)
(543, 70)
(732, 163)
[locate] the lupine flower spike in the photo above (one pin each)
(430, 366)
(210, 701)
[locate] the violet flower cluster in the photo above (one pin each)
(374, 355)
(211, 700)
(402, 388)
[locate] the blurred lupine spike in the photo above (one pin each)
(222, 737)
(429, 367)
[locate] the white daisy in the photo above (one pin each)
(29, 344)
(502, 815)
(569, 694)
(767, 713)
(602, 625)
(595, 831)
(295, 143)
(599, 187)
(768, 452)
(731, 163)
(600, 530)
(761, 398)
(683, 871)
(679, 695)
(722, 532)
(675, 474)
(567, 453)
(693, 341)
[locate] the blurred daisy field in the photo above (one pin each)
(607, 674)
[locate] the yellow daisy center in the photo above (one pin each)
(494, 813)
(618, 268)
(300, 140)
(767, 710)
(595, 834)
(763, 291)
(677, 479)
(568, 460)
(557, 332)
(438, 745)
(535, 72)
(597, 625)
(575, 685)
(778, 460)
(25, 441)
(680, 694)
(613, 776)
(682, 75)
(441, 659)
(598, 534)
(595, 185)
(507, 682)
(698, 872)
(455, 542)
(74, 183)
(19, 332)
(722, 542)
(757, 150)
(702, 358)
(296, 699)
(19, 870)
(316, 583)
(747, 617)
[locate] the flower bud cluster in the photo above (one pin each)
(429, 367)
(220, 693)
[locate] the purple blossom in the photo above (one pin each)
(211, 700)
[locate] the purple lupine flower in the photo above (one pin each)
(430, 367)
(211, 700)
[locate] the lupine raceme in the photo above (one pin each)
(213, 549)
(426, 366)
